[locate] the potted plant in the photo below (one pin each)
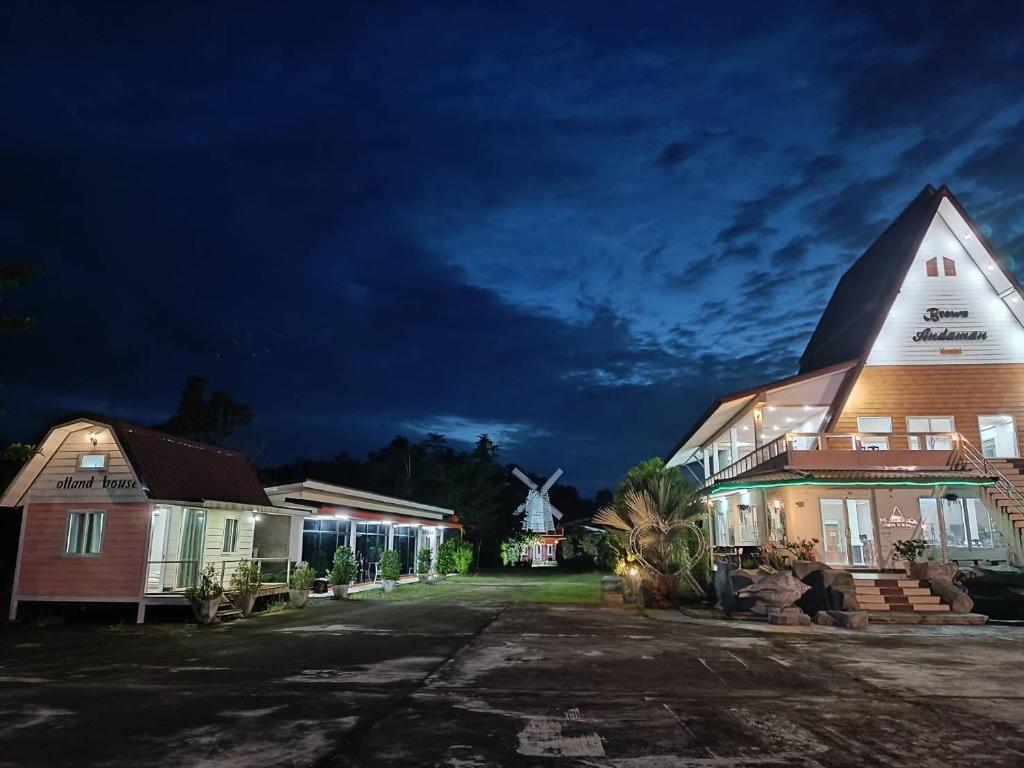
(423, 559)
(390, 569)
(299, 582)
(909, 550)
(343, 571)
(205, 595)
(245, 584)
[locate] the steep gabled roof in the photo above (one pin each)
(866, 290)
(169, 468)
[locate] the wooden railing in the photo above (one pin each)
(832, 441)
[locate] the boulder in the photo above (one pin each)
(929, 571)
(816, 599)
(801, 568)
(788, 617)
(824, 618)
(850, 619)
(828, 590)
(779, 590)
(954, 596)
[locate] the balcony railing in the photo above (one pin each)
(929, 449)
(167, 577)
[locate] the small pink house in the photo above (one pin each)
(116, 513)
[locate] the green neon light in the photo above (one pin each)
(871, 483)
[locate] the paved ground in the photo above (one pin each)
(467, 679)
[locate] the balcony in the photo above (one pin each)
(808, 451)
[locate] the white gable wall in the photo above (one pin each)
(971, 291)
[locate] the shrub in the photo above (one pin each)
(423, 559)
(247, 578)
(909, 549)
(463, 557)
(390, 567)
(302, 576)
(802, 549)
(446, 556)
(207, 588)
(516, 547)
(344, 567)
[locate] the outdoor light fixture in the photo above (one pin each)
(341, 517)
(94, 438)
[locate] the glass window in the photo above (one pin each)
(998, 436)
(321, 536)
(932, 267)
(723, 534)
(929, 509)
(956, 523)
(405, 546)
(979, 520)
(871, 425)
(551, 550)
(85, 533)
(929, 426)
(230, 535)
(95, 461)
(371, 541)
(948, 267)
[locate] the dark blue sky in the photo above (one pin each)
(567, 225)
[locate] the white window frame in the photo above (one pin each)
(551, 550)
(930, 434)
(89, 515)
(873, 443)
(1013, 426)
(234, 542)
(82, 456)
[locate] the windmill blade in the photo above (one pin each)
(551, 480)
(554, 511)
(523, 476)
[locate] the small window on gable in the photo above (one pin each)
(948, 267)
(93, 461)
(932, 267)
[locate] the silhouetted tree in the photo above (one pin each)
(207, 420)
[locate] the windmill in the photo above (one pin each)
(540, 513)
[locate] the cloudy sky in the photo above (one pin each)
(569, 225)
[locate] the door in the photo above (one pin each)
(157, 550)
(193, 536)
(847, 532)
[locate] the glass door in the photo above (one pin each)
(193, 536)
(847, 532)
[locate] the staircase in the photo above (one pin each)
(1006, 495)
(895, 592)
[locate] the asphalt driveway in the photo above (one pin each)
(467, 679)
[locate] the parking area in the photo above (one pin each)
(472, 674)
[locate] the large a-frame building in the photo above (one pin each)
(903, 419)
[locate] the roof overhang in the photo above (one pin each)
(349, 501)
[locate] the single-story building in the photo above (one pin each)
(117, 513)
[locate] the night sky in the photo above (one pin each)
(567, 225)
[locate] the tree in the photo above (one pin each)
(206, 420)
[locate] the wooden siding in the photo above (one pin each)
(64, 463)
(962, 391)
(116, 572)
(969, 294)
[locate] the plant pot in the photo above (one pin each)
(297, 597)
(340, 591)
(244, 603)
(389, 585)
(205, 610)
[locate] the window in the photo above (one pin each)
(967, 524)
(928, 425)
(85, 533)
(998, 436)
(551, 550)
(230, 535)
(930, 521)
(874, 425)
(94, 461)
(932, 267)
(948, 267)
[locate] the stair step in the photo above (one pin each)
(887, 583)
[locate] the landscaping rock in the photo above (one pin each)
(850, 619)
(929, 571)
(801, 568)
(824, 618)
(728, 581)
(788, 617)
(779, 590)
(954, 596)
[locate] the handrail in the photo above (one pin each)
(823, 441)
(968, 453)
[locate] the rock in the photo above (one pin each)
(788, 617)
(779, 590)
(824, 618)
(850, 619)
(724, 593)
(930, 571)
(952, 595)
(816, 599)
(611, 583)
(803, 567)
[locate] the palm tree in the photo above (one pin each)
(656, 515)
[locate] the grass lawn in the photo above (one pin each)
(526, 585)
